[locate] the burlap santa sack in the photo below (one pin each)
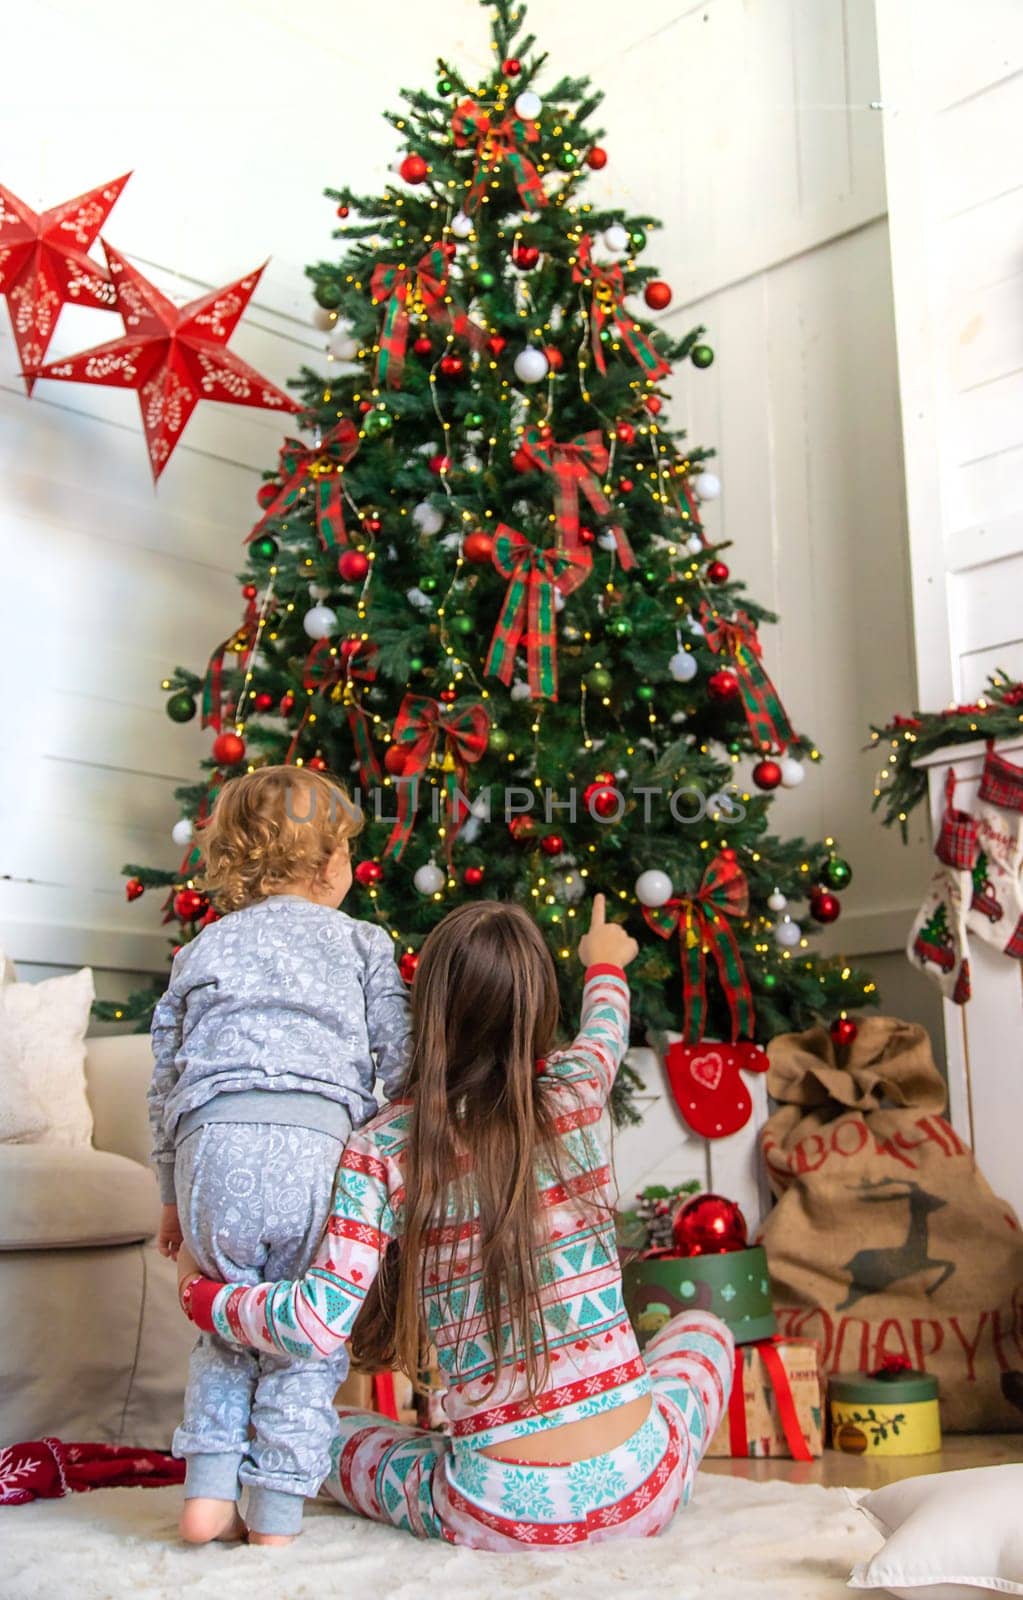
(886, 1240)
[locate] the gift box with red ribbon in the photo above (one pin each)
(776, 1404)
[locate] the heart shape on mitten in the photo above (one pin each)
(708, 1090)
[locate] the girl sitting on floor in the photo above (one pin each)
(489, 1184)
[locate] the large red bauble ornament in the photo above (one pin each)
(262, 701)
(596, 158)
(479, 547)
(497, 342)
(439, 464)
(555, 360)
(843, 1030)
(718, 572)
(267, 493)
(654, 404)
(709, 1225)
(626, 485)
(174, 356)
(368, 872)
(395, 758)
(522, 461)
(133, 888)
(228, 749)
(287, 705)
(45, 266)
(452, 365)
(422, 345)
(473, 877)
(767, 774)
(407, 964)
(316, 764)
(625, 432)
(552, 845)
(352, 565)
(512, 67)
(600, 797)
(414, 168)
(189, 904)
(657, 294)
(723, 685)
(825, 906)
(523, 827)
(525, 255)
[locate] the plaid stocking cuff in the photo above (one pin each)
(1002, 783)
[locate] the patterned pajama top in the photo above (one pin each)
(595, 1364)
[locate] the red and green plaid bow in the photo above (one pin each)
(319, 470)
(681, 493)
(703, 929)
(608, 304)
(329, 668)
(241, 643)
(395, 287)
(497, 141)
(527, 615)
(768, 720)
(420, 725)
(573, 465)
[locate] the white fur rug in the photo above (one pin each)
(736, 1541)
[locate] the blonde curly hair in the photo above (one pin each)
(272, 829)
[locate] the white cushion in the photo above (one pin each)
(949, 1536)
(42, 1042)
(22, 1115)
(53, 1198)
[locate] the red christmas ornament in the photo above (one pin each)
(825, 906)
(422, 345)
(479, 548)
(439, 464)
(372, 524)
(586, 535)
(767, 774)
(44, 266)
(262, 701)
(394, 760)
(342, 211)
(365, 406)
(709, 1225)
(552, 845)
(718, 572)
(497, 343)
(316, 764)
(189, 904)
(249, 591)
(473, 877)
(600, 797)
(653, 403)
(521, 828)
(352, 565)
(596, 158)
(512, 67)
(452, 366)
(449, 696)
(348, 648)
(657, 294)
(133, 888)
(723, 685)
(414, 168)
(368, 872)
(555, 360)
(267, 493)
(174, 356)
(525, 256)
(228, 749)
(843, 1030)
(625, 432)
(625, 485)
(287, 704)
(522, 462)
(407, 964)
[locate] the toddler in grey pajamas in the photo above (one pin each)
(277, 1021)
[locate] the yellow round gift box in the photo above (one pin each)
(875, 1416)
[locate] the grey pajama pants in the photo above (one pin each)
(253, 1199)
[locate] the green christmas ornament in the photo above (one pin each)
(463, 625)
(701, 355)
(474, 419)
(837, 873)
(599, 680)
(498, 740)
(377, 422)
(621, 627)
(645, 692)
(328, 295)
(486, 280)
(568, 160)
(264, 549)
(734, 747)
(181, 706)
(429, 584)
(550, 916)
(770, 980)
(637, 238)
(444, 86)
(416, 664)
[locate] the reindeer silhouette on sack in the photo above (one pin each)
(886, 1240)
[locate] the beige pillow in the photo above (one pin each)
(23, 1119)
(42, 1047)
(949, 1535)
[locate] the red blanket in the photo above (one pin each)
(45, 1469)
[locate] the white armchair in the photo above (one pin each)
(93, 1344)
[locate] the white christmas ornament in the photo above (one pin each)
(707, 485)
(616, 238)
(694, 545)
(682, 666)
(181, 832)
(559, 600)
(792, 772)
(787, 933)
(531, 365)
(653, 888)
(417, 598)
(428, 879)
(427, 518)
(521, 691)
(569, 886)
(461, 225)
(776, 900)
(319, 622)
(342, 345)
(528, 105)
(607, 540)
(696, 628)
(323, 319)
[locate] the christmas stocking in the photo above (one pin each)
(937, 940)
(996, 907)
(708, 1090)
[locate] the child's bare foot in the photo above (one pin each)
(271, 1538)
(203, 1520)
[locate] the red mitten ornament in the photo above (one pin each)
(708, 1090)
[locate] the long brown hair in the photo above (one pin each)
(484, 1010)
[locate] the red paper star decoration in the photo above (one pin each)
(44, 266)
(174, 356)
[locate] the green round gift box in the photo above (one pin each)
(735, 1286)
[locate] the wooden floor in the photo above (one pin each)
(869, 1472)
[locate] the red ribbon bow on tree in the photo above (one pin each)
(768, 720)
(574, 465)
(703, 929)
(318, 469)
(527, 615)
(420, 725)
(329, 667)
(497, 141)
(395, 287)
(606, 305)
(242, 642)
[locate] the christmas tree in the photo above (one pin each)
(481, 593)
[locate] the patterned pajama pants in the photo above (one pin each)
(418, 1481)
(253, 1198)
